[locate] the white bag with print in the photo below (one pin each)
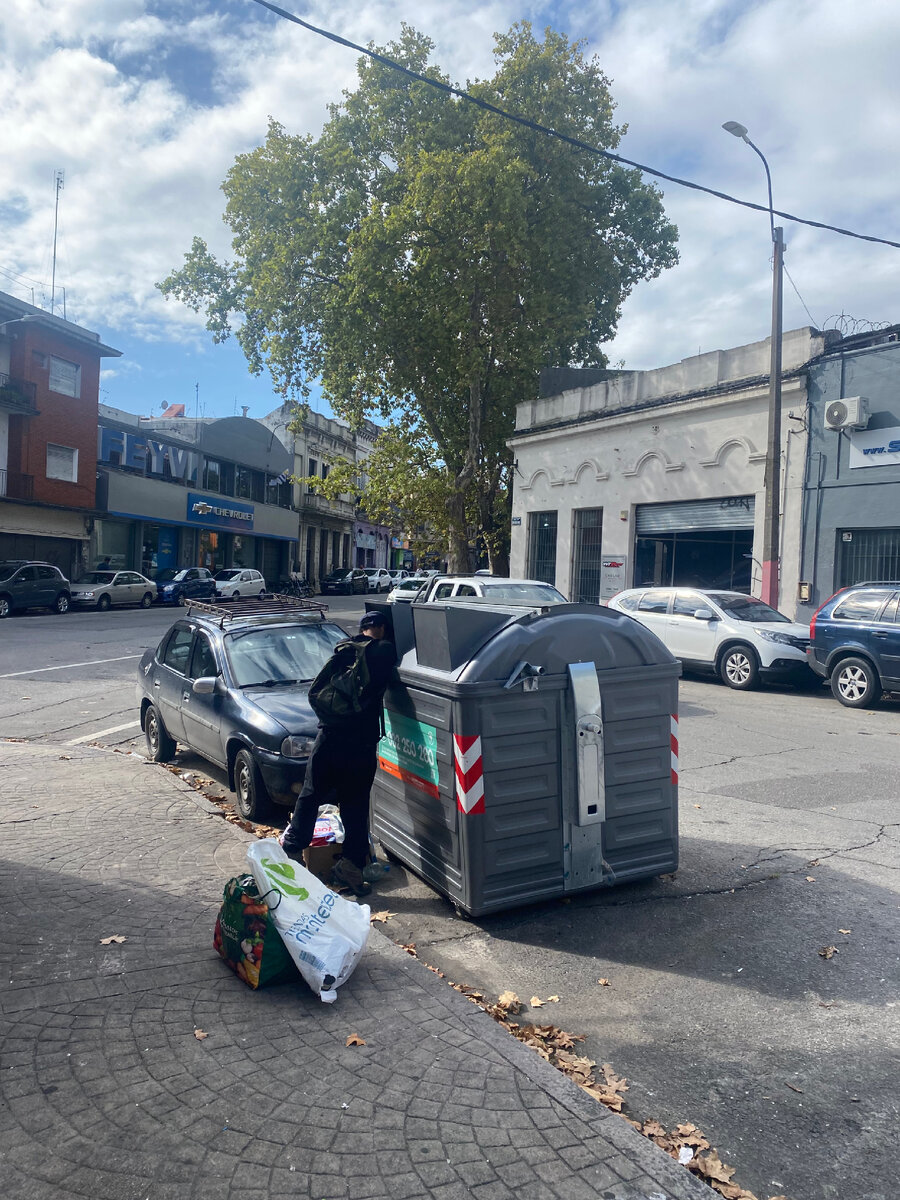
(324, 934)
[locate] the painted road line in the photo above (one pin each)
(68, 666)
(95, 737)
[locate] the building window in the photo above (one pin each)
(65, 377)
(542, 546)
(588, 528)
(868, 554)
(212, 476)
(242, 483)
(62, 463)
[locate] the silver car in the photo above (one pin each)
(103, 589)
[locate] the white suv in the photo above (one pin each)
(491, 587)
(379, 579)
(739, 637)
(236, 582)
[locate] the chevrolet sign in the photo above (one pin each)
(213, 513)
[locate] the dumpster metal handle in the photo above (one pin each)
(526, 674)
(588, 743)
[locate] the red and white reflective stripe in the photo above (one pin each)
(673, 744)
(469, 774)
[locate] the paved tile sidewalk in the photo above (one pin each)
(106, 1093)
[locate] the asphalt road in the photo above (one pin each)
(719, 1008)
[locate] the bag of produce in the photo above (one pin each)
(246, 938)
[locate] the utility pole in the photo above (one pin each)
(60, 179)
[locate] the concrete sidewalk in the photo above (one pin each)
(105, 1092)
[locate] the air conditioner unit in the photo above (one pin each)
(851, 413)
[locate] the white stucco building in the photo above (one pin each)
(657, 477)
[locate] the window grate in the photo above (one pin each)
(542, 546)
(587, 561)
(868, 554)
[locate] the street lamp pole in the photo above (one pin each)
(772, 517)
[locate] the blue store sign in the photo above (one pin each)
(215, 513)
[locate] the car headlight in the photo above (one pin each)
(85, 595)
(297, 746)
(785, 639)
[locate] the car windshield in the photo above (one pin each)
(9, 568)
(409, 585)
(220, 575)
(748, 608)
(286, 654)
(339, 574)
(97, 577)
(524, 593)
(167, 575)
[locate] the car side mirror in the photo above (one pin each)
(206, 685)
(704, 614)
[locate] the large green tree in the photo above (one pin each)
(424, 257)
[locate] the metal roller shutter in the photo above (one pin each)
(728, 512)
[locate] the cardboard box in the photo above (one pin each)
(320, 859)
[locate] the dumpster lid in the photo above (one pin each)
(476, 640)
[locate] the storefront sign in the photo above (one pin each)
(875, 447)
(215, 513)
(365, 541)
(408, 751)
(612, 576)
(146, 454)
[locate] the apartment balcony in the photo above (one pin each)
(313, 505)
(18, 396)
(15, 486)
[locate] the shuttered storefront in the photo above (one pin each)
(695, 543)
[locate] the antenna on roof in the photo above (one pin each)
(60, 183)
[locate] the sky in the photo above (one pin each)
(144, 105)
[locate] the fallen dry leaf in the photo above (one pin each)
(712, 1167)
(827, 1004)
(813, 862)
(810, 879)
(381, 917)
(115, 939)
(552, 1000)
(535, 1002)
(653, 1128)
(65, 758)
(200, 1035)
(603, 982)
(410, 948)
(354, 1040)
(844, 931)
(696, 806)
(793, 1089)
(828, 951)
(509, 1002)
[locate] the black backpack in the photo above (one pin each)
(336, 693)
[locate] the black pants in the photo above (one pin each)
(340, 771)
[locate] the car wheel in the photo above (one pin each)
(250, 792)
(5, 607)
(235, 595)
(855, 682)
(103, 603)
(739, 668)
(262, 593)
(181, 599)
(160, 747)
(146, 600)
(62, 603)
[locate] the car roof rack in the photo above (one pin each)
(271, 604)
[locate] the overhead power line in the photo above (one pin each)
(563, 137)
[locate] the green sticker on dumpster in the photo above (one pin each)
(408, 751)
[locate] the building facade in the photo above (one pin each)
(851, 499)
(181, 492)
(657, 477)
(49, 385)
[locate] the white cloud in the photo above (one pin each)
(813, 81)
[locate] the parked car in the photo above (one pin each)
(179, 587)
(379, 579)
(26, 584)
(406, 589)
(347, 581)
(737, 636)
(235, 690)
(855, 643)
(239, 581)
(491, 587)
(398, 573)
(102, 589)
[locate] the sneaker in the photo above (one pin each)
(347, 875)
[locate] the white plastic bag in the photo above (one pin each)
(324, 934)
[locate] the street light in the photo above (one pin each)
(771, 539)
(16, 320)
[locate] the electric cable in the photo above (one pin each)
(563, 137)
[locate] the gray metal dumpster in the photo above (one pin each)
(529, 753)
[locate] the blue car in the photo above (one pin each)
(179, 587)
(855, 643)
(231, 683)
